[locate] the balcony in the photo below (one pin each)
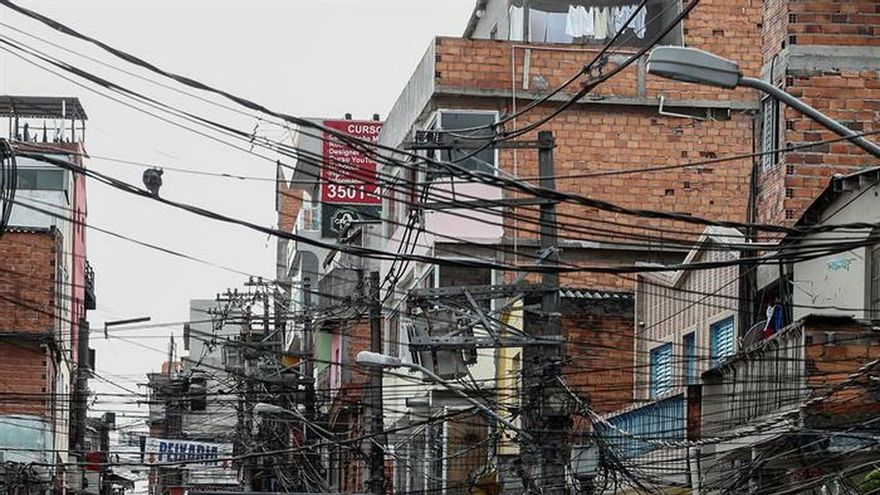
(766, 378)
(91, 302)
(634, 431)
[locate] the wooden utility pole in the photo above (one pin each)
(377, 421)
(546, 416)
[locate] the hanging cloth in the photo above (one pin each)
(600, 23)
(516, 23)
(537, 26)
(620, 16)
(579, 22)
(638, 23)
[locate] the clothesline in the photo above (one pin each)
(596, 23)
(562, 7)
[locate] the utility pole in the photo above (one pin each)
(546, 413)
(377, 421)
(309, 367)
(546, 416)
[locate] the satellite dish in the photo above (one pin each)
(753, 335)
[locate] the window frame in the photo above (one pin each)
(37, 170)
(434, 122)
(715, 359)
(656, 354)
(872, 278)
(769, 161)
(689, 354)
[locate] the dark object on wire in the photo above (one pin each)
(153, 180)
(8, 183)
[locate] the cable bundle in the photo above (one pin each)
(8, 183)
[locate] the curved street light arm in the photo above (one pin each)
(812, 113)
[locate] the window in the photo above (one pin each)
(770, 131)
(198, 398)
(38, 179)
(661, 370)
(875, 278)
(484, 161)
(394, 335)
(390, 208)
(232, 355)
(721, 334)
(466, 276)
(689, 343)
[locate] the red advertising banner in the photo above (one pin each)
(348, 176)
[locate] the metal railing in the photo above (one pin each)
(91, 302)
(766, 378)
(663, 419)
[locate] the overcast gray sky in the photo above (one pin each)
(304, 57)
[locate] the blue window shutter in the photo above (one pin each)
(721, 334)
(661, 370)
(690, 352)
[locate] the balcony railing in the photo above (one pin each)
(768, 377)
(91, 302)
(635, 431)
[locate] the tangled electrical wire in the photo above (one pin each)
(8, 183)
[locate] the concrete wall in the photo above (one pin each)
(495, 16)
(25, 438)
(836, 284)
(217, 421)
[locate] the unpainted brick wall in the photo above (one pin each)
(27, 306)
(840, 23)
(594, 138)
(851, 97)
(599, 352)
(24, 378)
(729, 28)
(289, 204)
(834, 352)
(27, 282)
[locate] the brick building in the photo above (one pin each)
(46, 288)
(504, 62)
(515, 52)
(828, 55)
(344, 388)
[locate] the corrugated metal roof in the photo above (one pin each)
(573, 293)
(42, 106)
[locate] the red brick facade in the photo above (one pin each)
(834, 352)
(345, 411)
(619, 129)
(599, 353)
(851, 96)
(27, 306)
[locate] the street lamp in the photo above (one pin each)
(700, 67)
(377, 360)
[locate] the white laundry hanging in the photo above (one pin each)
(579, 22)
(620, 15)
(600, 23)
(516, 23)
(639, 23)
